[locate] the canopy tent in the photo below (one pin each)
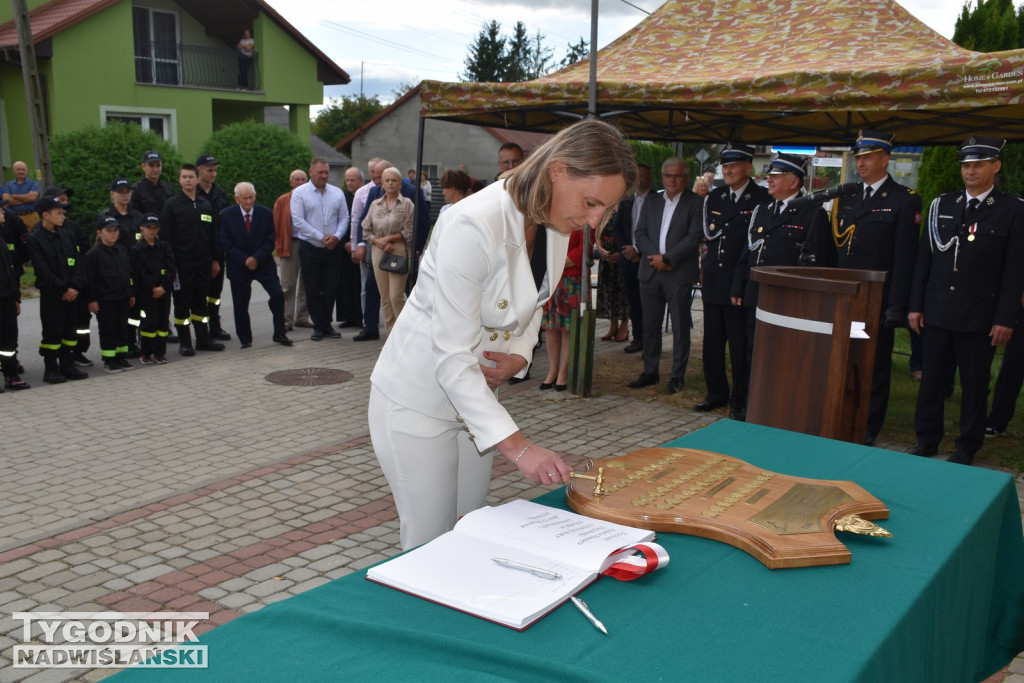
(765, 71)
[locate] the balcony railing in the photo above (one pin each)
(195, 66)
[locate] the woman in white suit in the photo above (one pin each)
(472, 322)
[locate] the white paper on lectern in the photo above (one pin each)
(458, 568)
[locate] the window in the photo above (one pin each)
(160, 121)
(156, 46)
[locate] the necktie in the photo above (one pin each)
(867, 192)
(734, 197)
(778, 207)
(248, 224)
(972, 205)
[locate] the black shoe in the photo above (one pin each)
(922, 450)
(124, 364)
(707, 405)
(171, 338)
(186, 350)
(869, 441)
(740, 415)
(644, 380)
(674, 386)
(317, 335)
(961, 458)
(220, 335)
(53, 377)
(246, 345)
(517, 380)
(209, 345)
(332, 333)
(15, 383)
(282, 339)
(634, 347)
(367, 336)
(544, 386)
(992, 431)
(80, 360)
(71, 372)
(561, 387)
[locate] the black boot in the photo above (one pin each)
(203, 341)
(216, 331)
(67, 365)
(51, 372)
(185, 340)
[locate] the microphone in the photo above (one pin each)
(844, 190)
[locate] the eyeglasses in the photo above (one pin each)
(510, 163)
(675, 176)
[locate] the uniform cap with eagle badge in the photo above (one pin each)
(870, 141)
(980, 148)
(733, 153)
(788, 163)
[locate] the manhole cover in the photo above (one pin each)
(308, 377)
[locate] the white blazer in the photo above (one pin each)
(475, 292)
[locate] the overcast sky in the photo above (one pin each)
(407, 41)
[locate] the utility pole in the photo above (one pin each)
(33, 93)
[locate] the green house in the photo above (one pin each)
(169, 65)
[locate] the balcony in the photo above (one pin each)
(195, 66)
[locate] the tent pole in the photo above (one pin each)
(581, 328)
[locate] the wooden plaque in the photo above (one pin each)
(783, 521)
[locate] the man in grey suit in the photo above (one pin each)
(667, 236)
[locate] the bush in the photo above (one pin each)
(88, 159)
(261, 154)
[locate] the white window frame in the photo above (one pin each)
(170, 117)
(177, 40)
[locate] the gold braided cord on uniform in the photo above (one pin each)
(843, 238)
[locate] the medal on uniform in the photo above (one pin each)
(973, 229)
(760, 229)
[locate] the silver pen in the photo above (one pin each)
(536, 571)
(582, 606)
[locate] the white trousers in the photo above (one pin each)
(435, 471)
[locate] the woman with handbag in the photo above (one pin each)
(388, 227)
(472, 321)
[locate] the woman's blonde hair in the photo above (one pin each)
(588, 148)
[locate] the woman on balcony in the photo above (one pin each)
(245, 58)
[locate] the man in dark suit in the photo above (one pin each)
(727, 212)
(965, 295)
(247, 233)
(371, 311)
(624, 231)
(779, 235)
(668, 234)
(877, 229)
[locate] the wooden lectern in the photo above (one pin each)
(814, 349)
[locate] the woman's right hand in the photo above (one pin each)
(543, 466)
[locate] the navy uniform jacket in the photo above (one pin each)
(128, 225)
(681, 242)
(109, 273)
(150, 198)
(15, 235)
(884, 236)
(153, 266)
(191, 228)
(725, 232)
(984, 289)
(55, 260)
(783, 242)
(10, 286)
(240, 245)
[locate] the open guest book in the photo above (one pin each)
(514, 563)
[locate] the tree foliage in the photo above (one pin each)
(261, 154)
(993, 25)
(345, 115)
(87, 160)
(575, 52)
(496, 58)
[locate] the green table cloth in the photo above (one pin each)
(942, 601)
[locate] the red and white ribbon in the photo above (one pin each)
(647, 558)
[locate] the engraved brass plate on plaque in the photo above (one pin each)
(782, 520)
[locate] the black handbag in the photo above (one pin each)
(395, 263)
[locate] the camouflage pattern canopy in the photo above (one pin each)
(765, 71)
